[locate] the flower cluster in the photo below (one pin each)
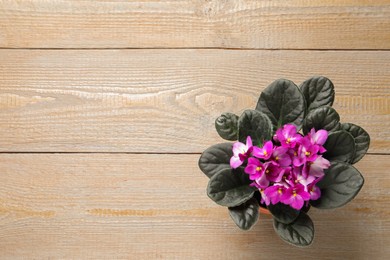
(287, 168)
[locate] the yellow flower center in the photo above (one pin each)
(265, 153)
(307, 153)
(259, 169)
(280, 190)
(288, 140)
(276, 158)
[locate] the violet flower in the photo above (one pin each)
(265, 152)
(318, 138)
(241, 152)
(288, 136)
(275, 192)
(317, 167)
(255, 168)
(280, 157)
(315, 192)
(295, 196)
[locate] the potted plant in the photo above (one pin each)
(289, 154)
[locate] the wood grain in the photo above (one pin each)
(167, 100)
(302, 24)
(155, 206)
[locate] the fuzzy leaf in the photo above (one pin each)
(362, 140)
(340, 146)
(227, 126)
(246, 214)
(255, 124)
(216, 158)
(321, 118)
(341, 183)
(283, 103)
(318, 92)
(230, 188)
(298, 233)
(283, 213)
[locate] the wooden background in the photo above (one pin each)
(105, 107)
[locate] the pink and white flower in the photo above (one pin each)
(241, 152)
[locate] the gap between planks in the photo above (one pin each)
(140, 153)
(188, 48)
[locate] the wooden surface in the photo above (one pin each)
(105, 107)
(299, 24)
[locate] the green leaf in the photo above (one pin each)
(321, 118)
(298, 233)
(283, 213)
(227, 126)
(362, 140)
(216, 158)
(245, 215)
(283, 103)
(340, 146)
(256, 125)
(230, 188)
(341, 183)
(318, 92)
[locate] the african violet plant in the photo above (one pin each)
(290, 153)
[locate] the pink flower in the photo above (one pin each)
(274, 173)
(299, 176)
(274, 193)
(318, 138)
(262, 182)
(288, 136)
(317, 167)
(295, 196)
(264, 198)
(265, 152)
(280, 157)
(255, 168)
(241, 152)
(315, 192)
(307, 152)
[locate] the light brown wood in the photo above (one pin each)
(151, 77)
(167, 100)
(302, 24)
(155, 206)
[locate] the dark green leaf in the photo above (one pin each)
(283, 213)
(342, 182)
(283, 103)
(322, 118)
(216, 158)
(230, 188)
(245, 215)
(256, 125)
(362, 140)
(318, 92)
(227, 126)
(298, 233)
(340, 146)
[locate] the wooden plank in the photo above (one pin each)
(302, 24)
(155, 206)
(167, 100)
